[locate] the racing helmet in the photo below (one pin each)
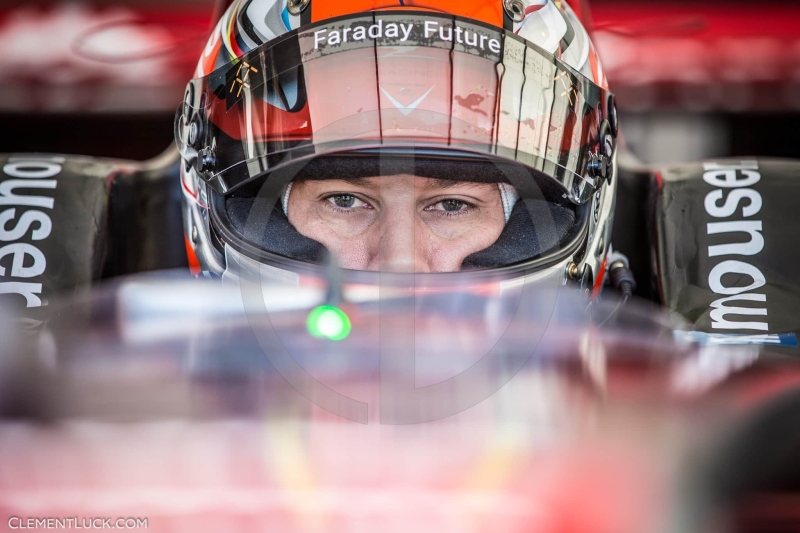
(428, 136)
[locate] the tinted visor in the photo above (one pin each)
(394, 83)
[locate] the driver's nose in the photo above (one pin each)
(403, 242)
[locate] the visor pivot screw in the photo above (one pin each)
(515, 9)
(206, 160)
(194, 234)
(597, 166)
(572, 271)
(295, 7)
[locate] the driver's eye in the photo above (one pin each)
(345, 201)
(452, 205)
(449, 206)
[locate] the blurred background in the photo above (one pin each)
(694, 78)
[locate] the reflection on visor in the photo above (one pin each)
(395, 81)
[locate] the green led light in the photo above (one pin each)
(328, 322)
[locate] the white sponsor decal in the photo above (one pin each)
(406, 110)
(430, 29)
(735, 180)
(31, 179)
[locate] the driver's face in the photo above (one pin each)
(398, 223)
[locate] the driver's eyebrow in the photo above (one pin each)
(428, 183)
(438, 183)
(358, 182)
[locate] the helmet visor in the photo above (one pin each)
(401, 214)
(387, 83)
